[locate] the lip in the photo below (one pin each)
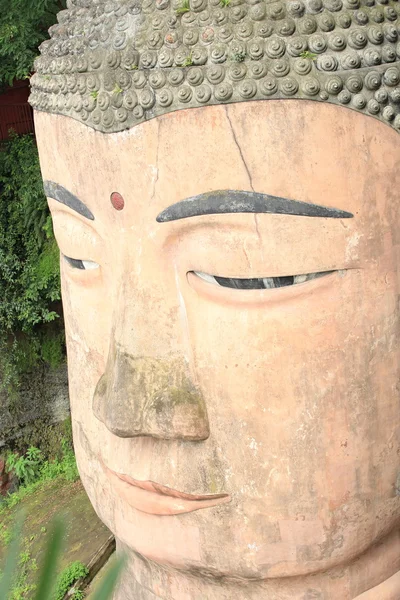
(156, 499)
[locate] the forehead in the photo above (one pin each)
(311, 152)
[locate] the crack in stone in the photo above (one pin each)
(257, 229)
(239, 148)
(247, 171)
(246, 255)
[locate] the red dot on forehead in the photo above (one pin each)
(117, 201)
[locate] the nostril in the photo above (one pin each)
(149, 397)
(110, 410)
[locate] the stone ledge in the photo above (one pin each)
(96, 563)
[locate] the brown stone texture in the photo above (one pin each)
(240, 443)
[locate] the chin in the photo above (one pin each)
(234, 562)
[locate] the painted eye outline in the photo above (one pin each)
(227, 296)
(260, 283)
(81, 265)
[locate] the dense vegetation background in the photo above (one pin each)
(29, 266)
(31, 328)
(23, 26)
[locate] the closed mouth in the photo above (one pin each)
(157, 499)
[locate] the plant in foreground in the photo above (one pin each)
(47, 575)
(68, 577)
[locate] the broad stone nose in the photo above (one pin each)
(139, 396)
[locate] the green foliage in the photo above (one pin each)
(68, 577)
(49, 437)
(52, 347)
(26, 468)
(5, 536)
(183, 8)
(308, 54)
(13, 584)
(28, 251)
(24, 557)
(23, 26)
(66, 467)
(33, 472)
(29, 266)
(188, 61)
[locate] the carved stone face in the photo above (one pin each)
(271, 414)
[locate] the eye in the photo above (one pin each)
(261, 283)
(84, 265)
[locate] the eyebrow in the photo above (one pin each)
(60, 194)
(236, 201)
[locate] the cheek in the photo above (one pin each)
(301, 374)
(88, 323)
(288, 329)
(88, 313)
(92, 475)
(90, 439)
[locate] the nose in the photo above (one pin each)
(139, 396)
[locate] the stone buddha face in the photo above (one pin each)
(230, 280)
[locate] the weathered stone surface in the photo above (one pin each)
(112, 65)
(7, 480)
(43, 396)
(292, 493)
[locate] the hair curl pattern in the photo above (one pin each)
(112, 64)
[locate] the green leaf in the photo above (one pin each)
(105, 590)
(11, 566)
(47, 575)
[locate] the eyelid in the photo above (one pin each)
(258, 297)
(56, 209)
(75, 237)
(206, 225)
(274, 282)
(88, 278)
(302, 242)
(81, 264)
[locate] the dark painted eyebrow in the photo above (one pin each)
(235, 201)
(58, 192)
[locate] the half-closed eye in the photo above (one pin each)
(260, 283)
(84, 265)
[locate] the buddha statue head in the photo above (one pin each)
(223, 177)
